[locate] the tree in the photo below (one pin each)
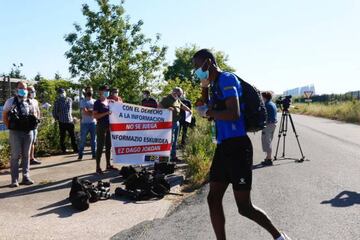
(16, 72)
(38, 77)
(112, 50)
(57, 76)
(182, 67)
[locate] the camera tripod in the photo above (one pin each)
(283, 128)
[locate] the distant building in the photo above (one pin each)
(354, 94)
(7, 87)
(299, 92)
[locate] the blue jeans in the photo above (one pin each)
(86, 128)
(175, 134)
(20, 143)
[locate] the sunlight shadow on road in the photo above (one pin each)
(344, 199)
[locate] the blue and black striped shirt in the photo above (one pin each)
(62, 110)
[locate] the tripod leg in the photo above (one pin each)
(297, 138)
(285, 131)
(281, 127)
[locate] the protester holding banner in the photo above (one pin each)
(148, 101)
(173, 103)
(88, 123)
(101, 114)
(114, 95)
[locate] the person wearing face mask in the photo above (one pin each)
(31, 96)
(184, 125)
(62, 112)
(233, 158)
(88, 123)
(148, 101)
(114, 95)
(17, 115)
(173, 103)
(101, 113)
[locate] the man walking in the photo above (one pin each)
(233, 157)
(19, 117)
(88, 123)
(62, 112)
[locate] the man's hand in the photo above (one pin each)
(202, 110)
(171, 108)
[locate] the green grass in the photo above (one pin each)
(343, 111)
(199, 152)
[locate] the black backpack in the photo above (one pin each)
(251, 105)
(20, 122)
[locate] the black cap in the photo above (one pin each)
(104, 88)
(61, 90)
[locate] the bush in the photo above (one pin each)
(342, 111)
(49, 135)
(4, 149)
(198, 152)
(48, 139)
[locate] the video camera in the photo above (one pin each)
(284, 102)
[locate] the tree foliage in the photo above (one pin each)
(182, 67)
(109, 49)
(46, 89)
(192, 92)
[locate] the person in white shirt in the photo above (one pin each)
(35, 103)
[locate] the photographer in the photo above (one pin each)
(233, 157)
(267, 134)
(19, 117)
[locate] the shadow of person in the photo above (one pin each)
(63, 211)
(344, 199)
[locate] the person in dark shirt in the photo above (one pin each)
(101, 114)
(173, 103)
(62, 112)
(267, 134)
(232, 163)
(184, 125)
(148, 101)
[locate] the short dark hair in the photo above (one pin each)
(267, 95)
(88, 87)
(103, 88)
(20, 82)
(205, 54)
(114, 90)
(146, 92)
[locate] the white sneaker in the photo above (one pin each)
(285, 236)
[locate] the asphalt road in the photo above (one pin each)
(314, 200)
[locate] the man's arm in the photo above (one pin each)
(185, 108)
(55, 109)
(98, 115)
(231, 113)
(5, 118)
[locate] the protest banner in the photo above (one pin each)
(140, 135)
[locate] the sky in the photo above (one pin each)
(275, 45)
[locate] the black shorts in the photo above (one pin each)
(232, 163)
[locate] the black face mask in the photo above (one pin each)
(88, 94)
